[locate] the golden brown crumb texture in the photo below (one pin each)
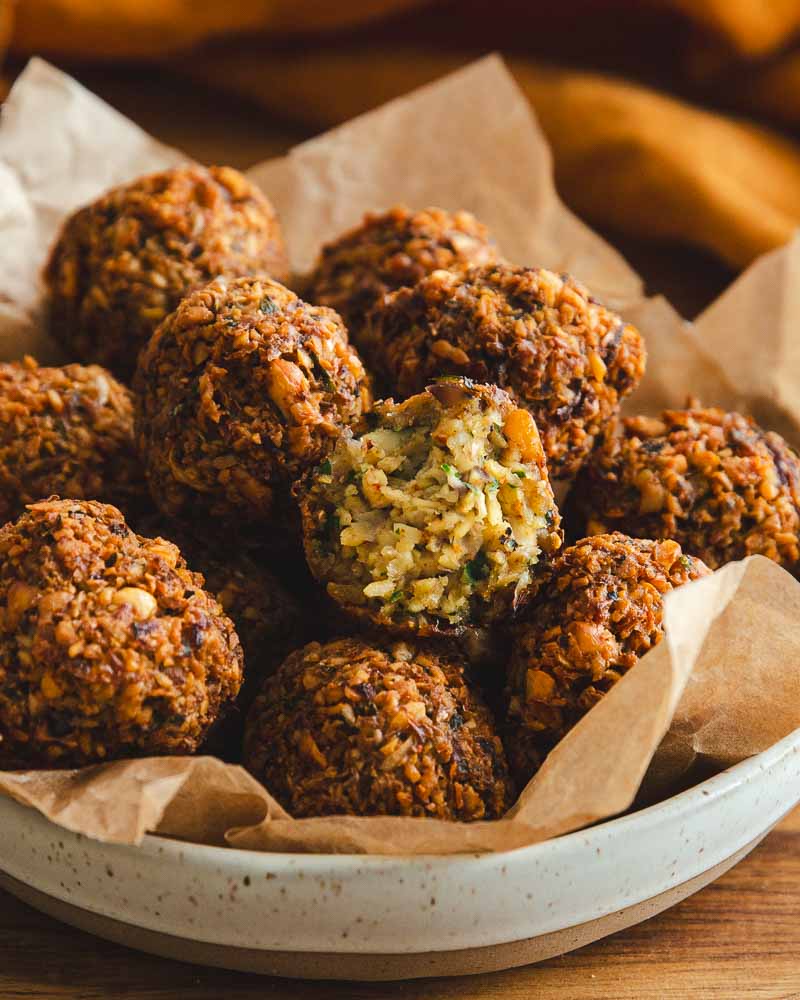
(376, 729)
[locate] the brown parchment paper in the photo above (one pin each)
(723, 685)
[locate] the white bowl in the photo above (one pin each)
(360, 917)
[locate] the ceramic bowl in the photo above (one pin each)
(359, 917)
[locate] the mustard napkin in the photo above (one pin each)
(683, 146)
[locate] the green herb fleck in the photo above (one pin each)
(266, 305)
(448, 470)
(325, 469)
(493, 486)
(396, 596)
(521, 473)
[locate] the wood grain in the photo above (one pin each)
(737, 939)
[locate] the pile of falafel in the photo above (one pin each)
(319, 535)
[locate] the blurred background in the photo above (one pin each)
(673, 123)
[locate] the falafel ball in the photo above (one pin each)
(121, 264)
(267, 616)
(370, 728)
(714, 481)
(540, 336)
(393, 249)
(109, 646)
(268, 619)
(598, 610)
(435, 519)
(68, 431)
(239, 391)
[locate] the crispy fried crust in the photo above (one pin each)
(599, 609)
(68, 431)
(360, 728)
(434, 521)
(267, 617)
(123, 263)
(240, 390)
(109, 646)
(714, 481)
(538, 335)
(268, 620)
(390, 250)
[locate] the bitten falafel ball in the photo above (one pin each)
(121, 264)
(538, 335)
(68, 431)
(109, 646)
(597, 611)
(390, 250)
(714, 481)
(373, 728)
(436, 518)
(240, 390)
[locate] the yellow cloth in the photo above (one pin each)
(710, 167)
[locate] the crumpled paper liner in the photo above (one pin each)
(725, 682)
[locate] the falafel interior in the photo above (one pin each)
(438, 516)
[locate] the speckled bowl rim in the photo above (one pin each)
(687, 802)
(252, 907)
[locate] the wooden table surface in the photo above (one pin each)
(738, 938)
